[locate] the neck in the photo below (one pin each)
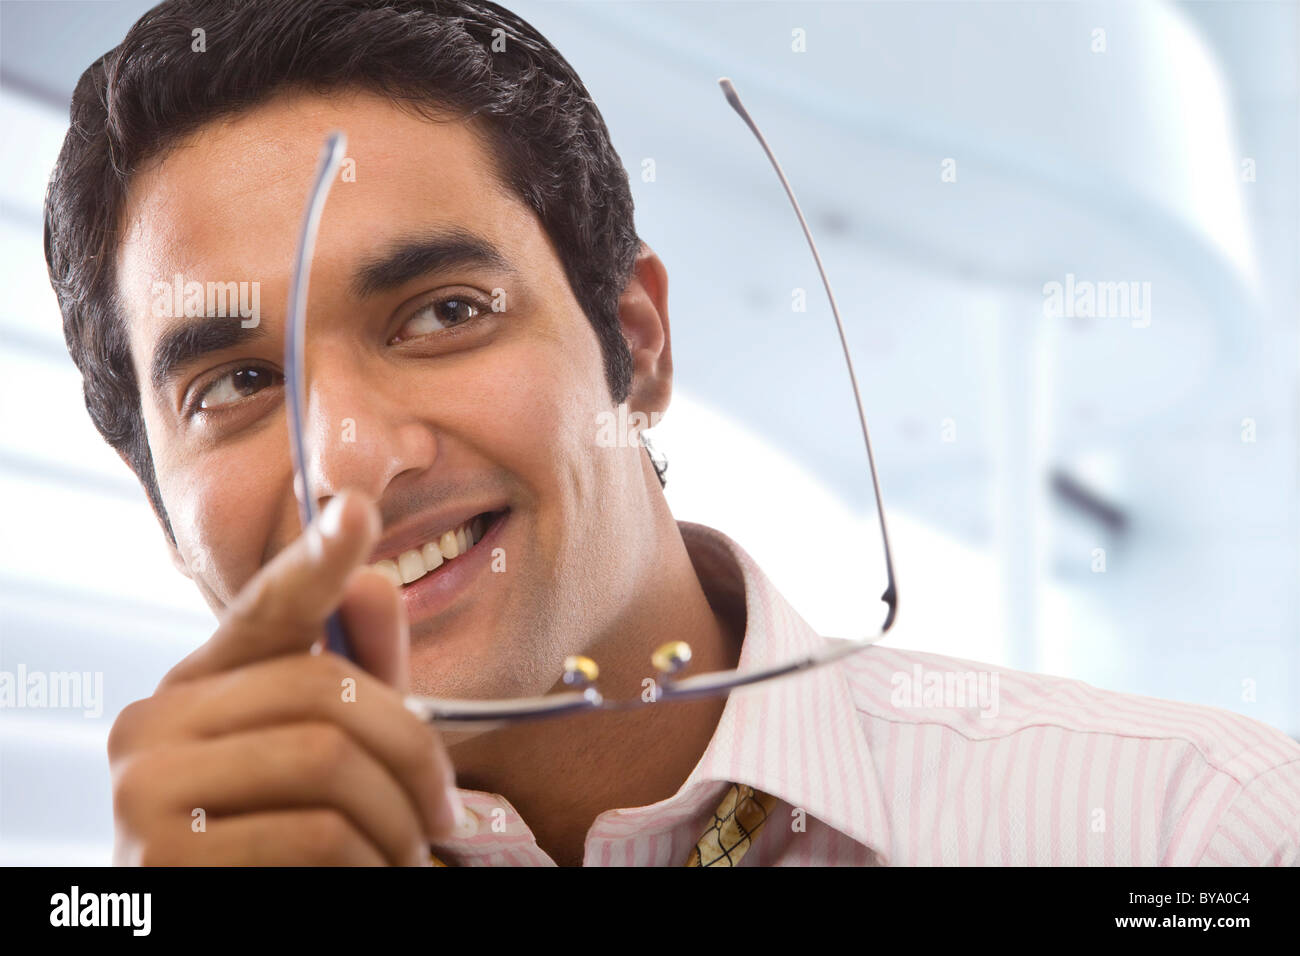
(561, 774)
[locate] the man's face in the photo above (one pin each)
(420, 394)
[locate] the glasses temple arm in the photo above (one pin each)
(890, 595)
(295, 329)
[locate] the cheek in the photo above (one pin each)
(223, 505)
(536, 411)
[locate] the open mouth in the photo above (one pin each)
(439, 551)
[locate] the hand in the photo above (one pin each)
(254, 730)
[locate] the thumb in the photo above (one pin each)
(283, 607)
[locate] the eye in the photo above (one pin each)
(441, 314)
(235, 385)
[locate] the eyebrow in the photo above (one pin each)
(183, 344)
(409, 259)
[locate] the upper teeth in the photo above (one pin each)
(413, 565)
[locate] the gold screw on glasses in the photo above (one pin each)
(579, 671)
(669, 658)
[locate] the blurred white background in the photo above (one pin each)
(1012, 444)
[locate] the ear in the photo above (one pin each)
(643, 314)
(173, 552)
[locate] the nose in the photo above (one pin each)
(358, 431)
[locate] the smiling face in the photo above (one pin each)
(451, 374)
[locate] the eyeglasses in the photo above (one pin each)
(581, 674)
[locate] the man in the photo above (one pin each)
(479, 300)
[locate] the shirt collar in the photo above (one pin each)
(799, 738)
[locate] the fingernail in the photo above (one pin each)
(331, 519)
(315, 547)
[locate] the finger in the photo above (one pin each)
(317, 836)
(284, 607)
(375, 619)
(294, 765)
(296, 689)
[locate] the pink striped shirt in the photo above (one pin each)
(896, 757)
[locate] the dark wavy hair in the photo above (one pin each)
(437, 56)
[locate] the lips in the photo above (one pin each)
(435, 549)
